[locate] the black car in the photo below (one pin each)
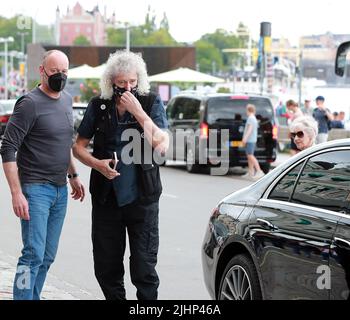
(288, 235)
(207, 130)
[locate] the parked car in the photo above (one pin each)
(192, 117)
(79, 109)
(6, 109)
(288, 235)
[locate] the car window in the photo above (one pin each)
(226, 108)
(325, 182)
(184, 109)
(284, 188)
(7, 106)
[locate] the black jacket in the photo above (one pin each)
(149, 183)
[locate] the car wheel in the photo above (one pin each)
(191, 166)
(265, 167)
(240, 280)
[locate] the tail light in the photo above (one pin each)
(275, 132)
(204, 131)
(5, 119)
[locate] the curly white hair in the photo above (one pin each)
(123, 61)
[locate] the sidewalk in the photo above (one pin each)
(50, 292)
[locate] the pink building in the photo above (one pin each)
(77, 22)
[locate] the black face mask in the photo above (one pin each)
(57, 81)
(118, 92)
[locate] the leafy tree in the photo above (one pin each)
(150, 22)
(89, 89)
(143, 35)
(81, 41)
(223, 90)
(13, 27)
(9, 28)
(161, 37)
(164, 24)
(207, 55)
(223, 39)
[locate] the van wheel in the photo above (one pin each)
(191, 166)
(265, 167)
(240, 280)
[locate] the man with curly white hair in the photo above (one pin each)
(125, 194)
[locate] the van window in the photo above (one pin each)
(225, 108)
(184, 109)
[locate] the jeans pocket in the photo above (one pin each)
(28, 188)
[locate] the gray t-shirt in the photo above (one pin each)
(40, 130)
(253, 137)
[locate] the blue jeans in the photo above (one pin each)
(40, 236)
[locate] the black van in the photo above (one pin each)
(207, 130)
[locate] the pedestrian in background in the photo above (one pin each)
(304, 131)
(125, 197)
(323, 116)
(40, 130)
(336, 123)
(341, 117)
(250, 137)
(294, 113)
(307, 109)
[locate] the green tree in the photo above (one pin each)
(150, 22)
(161, 37)
(89, 89)
(8, 28)
(223, 39)
(116, 37)
(207, 55)
(164, 24)
(81, 41)
(13, 27)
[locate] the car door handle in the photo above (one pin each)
(266, 223)
(342, 243)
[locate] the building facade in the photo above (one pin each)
(79, 22)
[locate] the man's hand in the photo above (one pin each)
(105, 169)
(78, 190)
(20, 206)
(129, 103)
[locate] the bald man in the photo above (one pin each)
(40, 131)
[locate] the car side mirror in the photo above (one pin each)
(340, 61)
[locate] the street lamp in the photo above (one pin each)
(6, 41)
(22, 34)
(127, 27)
(244, 31)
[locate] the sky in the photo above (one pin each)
(190, 19)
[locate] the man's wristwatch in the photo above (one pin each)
(74, 175)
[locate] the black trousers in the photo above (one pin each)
(109, 226)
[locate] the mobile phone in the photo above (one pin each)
(115, 160)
